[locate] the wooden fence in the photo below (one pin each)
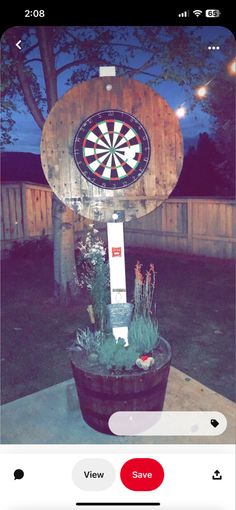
(200, 226)
(25, 211)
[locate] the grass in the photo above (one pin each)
(35, 332)
(195, 298)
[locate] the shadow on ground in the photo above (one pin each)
(195, 297)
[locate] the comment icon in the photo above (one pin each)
(18, 474)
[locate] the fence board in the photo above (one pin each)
(201, 226)
(48, 216)
(6, 213)
(19, 219)
(12, 211)
(30, 211)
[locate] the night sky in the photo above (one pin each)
(28, 134)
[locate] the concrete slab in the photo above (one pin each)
(53, 416)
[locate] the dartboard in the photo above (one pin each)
(111, 149)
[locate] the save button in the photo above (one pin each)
(142, 474)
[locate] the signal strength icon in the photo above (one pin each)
(184, 14)
(197, 13)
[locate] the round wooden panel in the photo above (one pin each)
(112, 144)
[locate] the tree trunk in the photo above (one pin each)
(66, 285)
(65, 275)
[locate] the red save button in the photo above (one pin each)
(142, 474)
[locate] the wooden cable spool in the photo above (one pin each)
(143, 169)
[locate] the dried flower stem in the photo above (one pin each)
(144, 288)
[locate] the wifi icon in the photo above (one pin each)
(197, 13)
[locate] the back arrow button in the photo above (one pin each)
(18, 44)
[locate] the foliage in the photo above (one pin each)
(144, 334)
(221, 104)
(144, 287)
(143, 331)
(90, 250)
(177, 54)
(87, 340)
(201, 175)
(23, 80)
(32, 248)
(114, 355)
(93, 273)
(99, 292)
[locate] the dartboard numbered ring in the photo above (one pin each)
(111, 149)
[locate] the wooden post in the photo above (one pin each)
(190, 224)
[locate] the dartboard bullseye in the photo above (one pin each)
(111, 149)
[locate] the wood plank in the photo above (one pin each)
(12, 210)
(30, 211)
(48, 215)
(35, 199)
(221, 220)
(43, 211)
(214, 238)
(24, 210)
(6, 213)
(2, 223)
(20, 233)
(230, 214)
(186, 394)
(190, 224)
(147, 231)
(232, 220)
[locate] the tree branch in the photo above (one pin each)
(30, 49)
(48, 63)
(32, 60)
(73, 64)
(78, 62)
(26, 89)
(133, 46)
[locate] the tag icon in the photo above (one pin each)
(214, 423)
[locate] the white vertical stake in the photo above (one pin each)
(116, 252)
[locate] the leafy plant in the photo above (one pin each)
(143, 331)
(114, 355)
(93, 273)
(99, 292)
(87, 340)
(90, 250)
(143, 334)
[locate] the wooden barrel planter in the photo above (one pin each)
(102, 393)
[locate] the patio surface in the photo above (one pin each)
(52, 415)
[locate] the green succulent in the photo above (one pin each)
(115, 355)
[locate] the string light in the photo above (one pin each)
(181, 112)
(201, 92)
(232, 67)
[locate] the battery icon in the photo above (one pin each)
(212, 13)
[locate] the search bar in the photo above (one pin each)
(167, 423)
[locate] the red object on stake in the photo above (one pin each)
(116, 252)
